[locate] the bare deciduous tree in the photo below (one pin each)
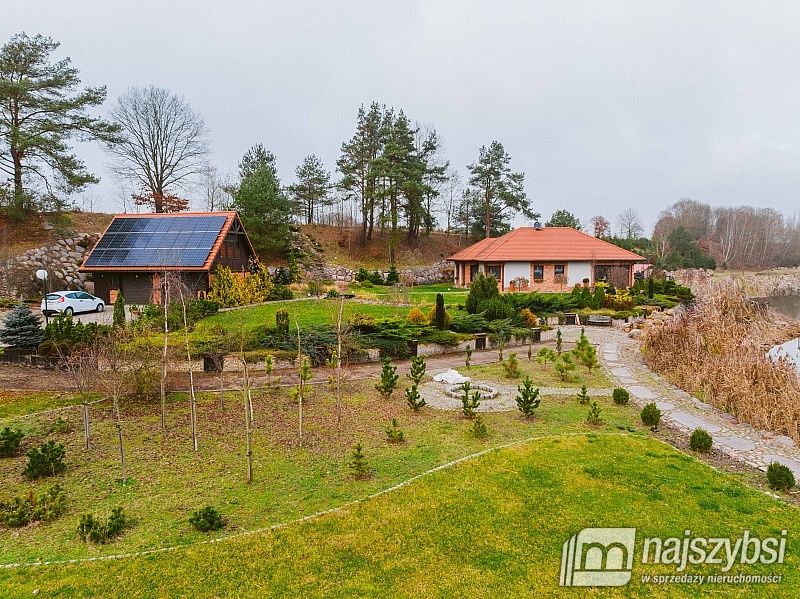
(630, 225)
(164, 142)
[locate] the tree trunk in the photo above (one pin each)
(248, 421)
(339, 364)
(119, 438)
(87, 433)
(164, 352)
(193, 398)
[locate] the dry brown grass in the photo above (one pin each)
(716, 350)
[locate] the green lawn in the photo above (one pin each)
(421, 294)
(16, 403)
(542, 375)
(490, 527)
(308, 312)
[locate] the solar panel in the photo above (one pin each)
(157, 241)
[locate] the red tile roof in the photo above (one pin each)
(547, 244)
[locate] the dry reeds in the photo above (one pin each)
(715, 351)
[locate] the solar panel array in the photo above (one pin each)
(157, 241)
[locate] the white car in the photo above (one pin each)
(71, 302)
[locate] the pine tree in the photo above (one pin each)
(394, 433)
(41, 116)
(418, 367)
(21, 328)
(478, 428)
(312, 190)
(469, 401)
(527, 397)
(595, 415)
(583, 396)
(496, 190)
(544, 355)
(118, 316)
(559, 341)
(413, 398)
(467, 355)
(389, 378)
(357, 465)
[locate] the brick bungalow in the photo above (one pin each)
(548, 259)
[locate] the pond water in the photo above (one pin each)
(790, 306)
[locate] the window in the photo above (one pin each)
(473, 272)
(538, 272)
(558, 269)
(493, 271)
(84, 295)
(73, 295)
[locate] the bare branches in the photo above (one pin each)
(164, 141)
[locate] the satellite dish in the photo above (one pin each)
(537, 225)
(41, 274)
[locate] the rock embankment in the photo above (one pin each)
(438, 272)
(61, 259)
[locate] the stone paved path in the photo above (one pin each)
(623, 362)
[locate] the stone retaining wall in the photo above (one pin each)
(61, 259)
(438, 272)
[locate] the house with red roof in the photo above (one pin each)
(547, 259)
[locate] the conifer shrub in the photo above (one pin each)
(469, 401)
(394, 433)
(481, 288)
(511, 366)
(389, 378)
(417, 371)
(780, 477)
(282, 323)
(118, 316)
(564, 366)
(440, 316)
(10, 439)
(358, 466)
(651, 415)
(545, 355)
(527, 398)
(594, 417)
(528, 318)
(559, 341)
(39, 507)
(95, 530)
(583, 396)
(206, 519)
(621, 396)
(413, 398)
(21, 328)
(467, 355)
(45, 460)
(478, 428)
(416, 316)
(392, 277)
(700, 440)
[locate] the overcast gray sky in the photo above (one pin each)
(603, 105)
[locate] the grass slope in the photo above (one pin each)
(490, 527)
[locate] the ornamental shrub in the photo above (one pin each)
(469, 401)
(392, 277)
(394, 433)
(700, 440)
(9, 441)
(358, 466)
(527, 398)
(651, 415)
(95, 530)
(583, 396)
(780, 477)
(389, 378)
(45, 460)
(595, 415)
(439, 315)
(413, 398)
(362, 274)
(416, 316)
(21, 328)
(511, 366)
(40, 507)
(496, 308)
(282, 323)
(528, 318)
(478, 428)
(621, 396)
(118, 316)
(206, 519)
(481, 288)
(417, 370)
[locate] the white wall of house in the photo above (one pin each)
(513, 270)
(578, 271)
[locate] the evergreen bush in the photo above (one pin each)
(206, 519)
(45, 460)
(467, 355)
(559, 341)
(469, 401)
(416, 316)
(478, 428)
(10, 439)
(440, 316)
(700, 440)
(511, 366)
(118, 316)
(621, 396)
(583, 396)
(95, 530)
(21, 328)
(780, 477)
(392, 277)
(595, 415)
(282, 323)
(359, 469)
(527, 398)
(389, 378)
(39, 507)
(651, 415)
(393, 432)
(545, 355)
(413, 398)
(417, 371)
(481, 288)
(564, 366)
